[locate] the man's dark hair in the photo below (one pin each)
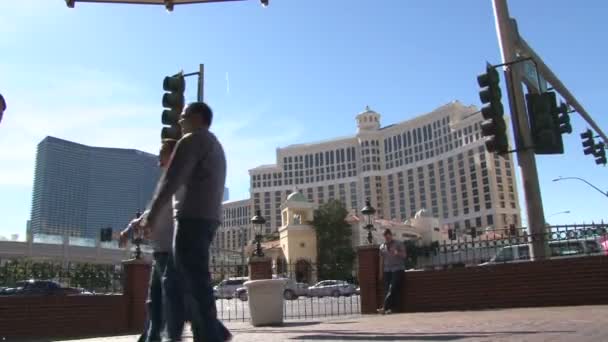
(202, 109)
(387, 232)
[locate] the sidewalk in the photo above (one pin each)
(580, 324)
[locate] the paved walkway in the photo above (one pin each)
(579, 324)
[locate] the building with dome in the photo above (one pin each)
(436, 162)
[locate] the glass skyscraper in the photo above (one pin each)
(80, 189)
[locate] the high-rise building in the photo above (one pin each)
(436, 161)
(226, 194)
(80, 189)
(236, 227)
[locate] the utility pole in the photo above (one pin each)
(507, 38)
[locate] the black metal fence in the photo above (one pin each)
(311, 290)
(510, 245)
(87, 278)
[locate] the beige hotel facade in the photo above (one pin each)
(436, 161)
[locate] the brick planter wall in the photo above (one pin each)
(62, 316)
(79, 316)
(573, 281)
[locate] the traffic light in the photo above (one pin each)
(493, 128)
(512, 230)
(544, 123)
(264, 3)
(588, 143)
(563, 119)
(173, 101)
(105, 234)
(2, 106)
(600, 154)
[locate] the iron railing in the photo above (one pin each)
(88, 278)
(510, 245)
(302, 300)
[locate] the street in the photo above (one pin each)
(301, 308)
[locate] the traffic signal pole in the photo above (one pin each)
(507, 38)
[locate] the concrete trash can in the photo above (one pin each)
(266, 301)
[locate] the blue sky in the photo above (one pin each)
(296, 71)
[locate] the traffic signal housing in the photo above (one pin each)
(173, 102)
(547, 122)
(600, 154)
(588, 143)
(493, 128)
(105, 234)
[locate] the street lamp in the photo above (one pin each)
(167, 3)
(258, 223)
(368, 211)
(582, 180)
(559, 213)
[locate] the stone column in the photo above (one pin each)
(260, 268)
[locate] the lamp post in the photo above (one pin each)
(258, 223)
(137, 239)
(243, 243)
(368, 211)
(582, 180)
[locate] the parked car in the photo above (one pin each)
(292, 291)
(40, 287)
(334, 288)
(226, 289)
(559, 249)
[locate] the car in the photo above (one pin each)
(333, 288)
(559, 249)
(292, 291)
(40, 287)
(226, 289)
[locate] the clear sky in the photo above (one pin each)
(297, 71)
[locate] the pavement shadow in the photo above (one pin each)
(439, 336)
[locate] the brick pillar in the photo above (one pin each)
(137, 278)
(369, 258)
(260, 268)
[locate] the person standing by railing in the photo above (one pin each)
(392, 259)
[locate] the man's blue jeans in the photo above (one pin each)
(193, 238)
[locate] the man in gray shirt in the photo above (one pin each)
(199, 165)
(392, 255)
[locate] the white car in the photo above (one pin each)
(226, 289)
(292, 290)
(333, 288)
(559, 249)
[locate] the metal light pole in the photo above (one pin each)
(507, 38)
(138, 239)
(258, 223)
(368, 211)
(243, 243)
(582, 180)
